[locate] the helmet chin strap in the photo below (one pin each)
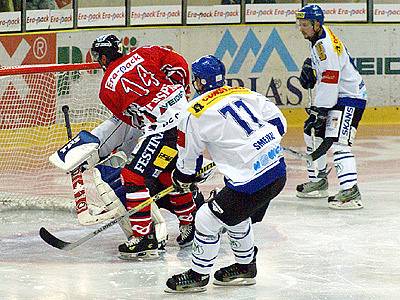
(199, 88)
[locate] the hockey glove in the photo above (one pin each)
(182, 183)
(316, 119)
(307, 75)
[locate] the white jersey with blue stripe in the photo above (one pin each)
(241, 131)
(337, 76)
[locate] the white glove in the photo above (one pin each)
(82, 150)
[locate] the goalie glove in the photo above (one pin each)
(81, 151)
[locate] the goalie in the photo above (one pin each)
(146, 90)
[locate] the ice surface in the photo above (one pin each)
(306, 251)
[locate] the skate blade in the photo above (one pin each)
(188, 244)
(345, 206)
(145, 255)
(317, 194)
(236, 282)
(188, 290)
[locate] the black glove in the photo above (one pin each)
(307, 75)
(183, 183)
(316, 119)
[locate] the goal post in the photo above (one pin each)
(32, 127)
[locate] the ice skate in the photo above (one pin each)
(143, 247)
(187, 282)
(346, 199)
(186, 236)
(312, 189)
(237, 274)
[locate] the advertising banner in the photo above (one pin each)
(101, 16)
(10, 21)
(49, 19)
(386, 12)
(156, 14)
(213, 14)
(271, 13)
(341, 12)
(266, 58)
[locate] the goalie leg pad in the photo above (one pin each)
(112, 193)
(160, 226)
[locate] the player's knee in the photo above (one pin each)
(338, 148)
(131, 178)
(206, 223)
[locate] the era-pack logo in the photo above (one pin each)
(260, 50)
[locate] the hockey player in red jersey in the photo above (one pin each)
(147, 89)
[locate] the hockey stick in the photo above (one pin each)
(297, 154)
(66, 246)
(314, 145)
(81, 206)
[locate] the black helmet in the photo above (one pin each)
(108, 45)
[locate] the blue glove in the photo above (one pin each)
(307, 75)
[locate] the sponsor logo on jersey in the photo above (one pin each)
(120, 70)
(347, 119)
(148, 152)
(197, 249)
(264, 141)
(171, 102)
(330, 76)
(336, 42)
(165, 92)
(319, 47)
(210, 99)
(267, 158)
(165, 156)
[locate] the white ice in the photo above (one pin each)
(307, 251)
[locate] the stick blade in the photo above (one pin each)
(52, 240)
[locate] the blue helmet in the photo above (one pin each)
(211, 72)
(311, 12)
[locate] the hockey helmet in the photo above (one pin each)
(311, 12)
(211, 72)
(109, 46)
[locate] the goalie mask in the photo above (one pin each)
(208, 73)
(109, 46)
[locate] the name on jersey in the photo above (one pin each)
(264, 141)
(268, 158)
(348, 117)
(210, 99)
(120, 70)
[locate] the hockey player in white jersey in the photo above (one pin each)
(241, 131)
(340, 100)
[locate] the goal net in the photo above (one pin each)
(32, 127)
